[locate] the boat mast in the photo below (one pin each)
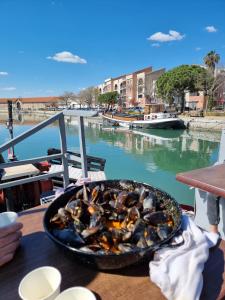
(9, 124)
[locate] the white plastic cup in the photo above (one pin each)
(42, 284)
(7, 218)
(76, 293)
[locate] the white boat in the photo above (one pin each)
(152, 120)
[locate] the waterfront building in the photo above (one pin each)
(196, 100)
(134, 89)
(30, 104)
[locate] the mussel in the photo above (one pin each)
(103, 219)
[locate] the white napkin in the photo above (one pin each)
(178, 271)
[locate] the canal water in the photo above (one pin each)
(150, 156)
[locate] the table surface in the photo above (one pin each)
(211, 179)
(131, 283)
(19, 171)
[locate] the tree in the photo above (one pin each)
(88, 96)
(67, 97)
(174, 83)
(210, 60)
(217, 81)
(216, 90)
(110, 99)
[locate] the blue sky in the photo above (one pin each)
(51, 46)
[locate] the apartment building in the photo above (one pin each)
(135, 89)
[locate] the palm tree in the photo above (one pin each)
(211, 59)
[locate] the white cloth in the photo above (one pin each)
(178, 271)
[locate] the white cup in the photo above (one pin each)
(7, 218)
(42, 283)
(76, 293)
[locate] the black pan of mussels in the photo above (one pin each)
(113, 223)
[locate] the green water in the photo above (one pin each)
(153, 156)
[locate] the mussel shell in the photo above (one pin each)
(156, 218)
(68, 236)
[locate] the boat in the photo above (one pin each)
(154, 116)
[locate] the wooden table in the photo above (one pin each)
(132, 283)
(211, 179)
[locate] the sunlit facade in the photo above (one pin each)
(135, 89)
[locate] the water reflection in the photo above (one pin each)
(151, 156)
(170, 150)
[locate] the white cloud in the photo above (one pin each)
(198, 48)
(166, 37)
(4, 73)
(10, 88)
(211, 29)
(156, 45)
(68, 57)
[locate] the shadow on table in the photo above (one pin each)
(140, 269)
(31, 211)
(38, 250)
(213, 274)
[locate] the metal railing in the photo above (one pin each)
(60, 117)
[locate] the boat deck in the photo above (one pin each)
(76, 173)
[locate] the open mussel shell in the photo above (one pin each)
(131, 255)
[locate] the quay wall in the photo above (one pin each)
(215, 123)
(39, 116)
(205, 123)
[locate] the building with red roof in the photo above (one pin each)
(33, 103)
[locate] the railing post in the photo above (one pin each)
(82, 147)
(221, 157)
(63, 150)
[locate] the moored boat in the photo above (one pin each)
(152, 120)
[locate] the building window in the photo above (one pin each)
(194, 94)
(115, 87)
(140, 81)
(140, 90)
(123, 85)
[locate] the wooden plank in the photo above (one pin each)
(96, 176)
(19, 171)
(30, 160)
(74, 159)
(76, 173)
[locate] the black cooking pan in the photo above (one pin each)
(113, 261)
